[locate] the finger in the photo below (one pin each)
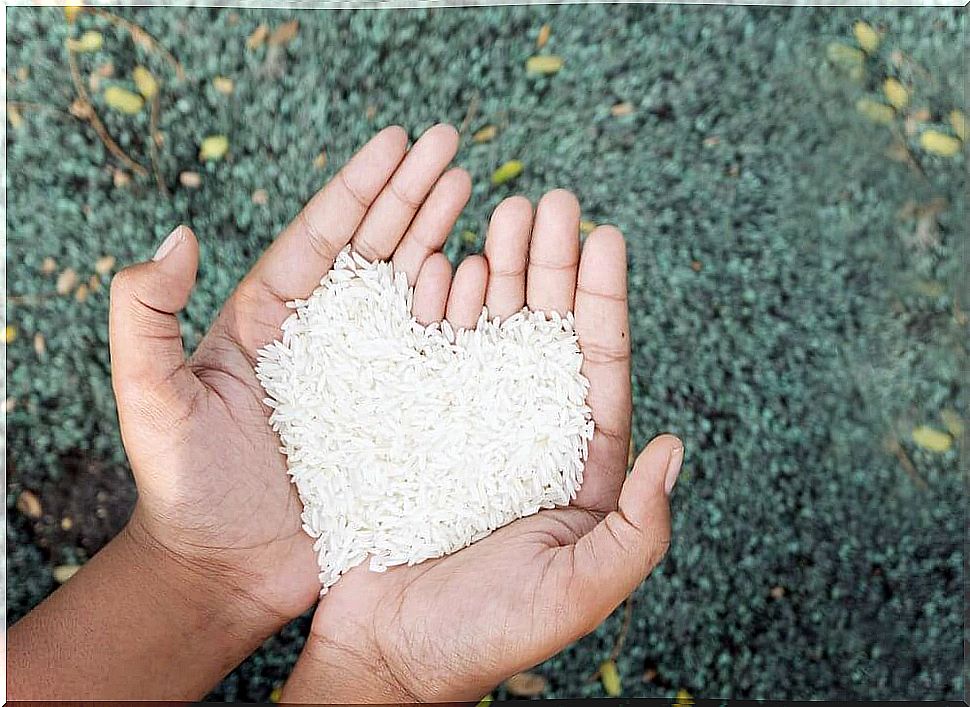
(305, 250)
(430, 228)
(610, 561)
(507, 252)
(392, 211)
(554, 253)
(467, 293)
(145, 342)
(431, 289)
(604, 339)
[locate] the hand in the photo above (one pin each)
(214, 496)
(451, 629)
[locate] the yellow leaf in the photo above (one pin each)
(469, 238)
(587, 227)
(896, 93)
(939, 143)
(223, 85)
(932, 439)
(866, 36)
(145, 82)
(683, 699)
(13, 115)
(123, 100)
(10, 333)
(62, 573)
(507, 172)
(320, 161)
(953, 422)
(610, 677)
(845, 56)
(546, 64)
(544, 32)
(621, 109)
(485, 701)
(285, 33)
(214, 147)
(276, 694)
(486, 134)
(959, 122)
(71, 11)
(104, 264)
(90, 41)
(875, 111)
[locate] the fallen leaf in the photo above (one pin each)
(545, 64)
(507, 172)
(844, 56)
(214, 147)
(486, 134)
(276, 694)
(104, 264)
(223, 85)
(469, 238)
(621, 109)
(29, 504)
(896, 93)
(9, 333)
(587, 227)
(937, 143)
(71, 12)
(123, 100)
(487, 700)
(526, 685)
(13, 115)
(48, 266)
(67, 523)
(81, 293)
(952, 421)
(256, 39)
(544, 33)
(66, 281)
(285, 33)
(23, 73)
(260, 197)
(190, 180)
(144, 82)
(320, 161)
(866, 36)
(630, 455)
(683, 699)
(875, 111)
(40, 344)
(610, 677)
(932, 439)
(120, 178)
(62, 573)
(959, 122)
(90, 41)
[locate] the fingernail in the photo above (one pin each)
(674, 462)
(170, 243)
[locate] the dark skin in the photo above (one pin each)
(214, 559)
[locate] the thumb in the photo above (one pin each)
(615, 557)
(146, 345)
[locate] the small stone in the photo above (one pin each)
(544, 33)
(649, 675)
(120, 178)
(486, 134)
(9, 405)
(67, 523)
(94, 283)
(40, 344)
(190, 180)
(696, 265)
(29, 504)
(81, 293)
(62, 573)
(223, 85)
(104, 264)
(260, 197)
(777, 592)
(712, 141)
(320, 161)
(621, 109)
(48, 266)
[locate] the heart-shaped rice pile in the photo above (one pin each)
(408, 442)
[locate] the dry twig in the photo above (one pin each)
(620, 637)
(140, 37)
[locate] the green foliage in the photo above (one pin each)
(783, 357)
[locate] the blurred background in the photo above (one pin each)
(792, 186)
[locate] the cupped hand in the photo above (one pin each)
(452, 628)
(214, 496)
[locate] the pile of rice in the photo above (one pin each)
(408, 442)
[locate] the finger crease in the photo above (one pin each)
(320, 245)
(603, 295)
(556, 267)
(362, 202)
(398, 194)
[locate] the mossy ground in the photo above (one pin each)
(792, 317)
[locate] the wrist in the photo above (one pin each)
(207, 588)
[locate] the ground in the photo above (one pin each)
(797, 279)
